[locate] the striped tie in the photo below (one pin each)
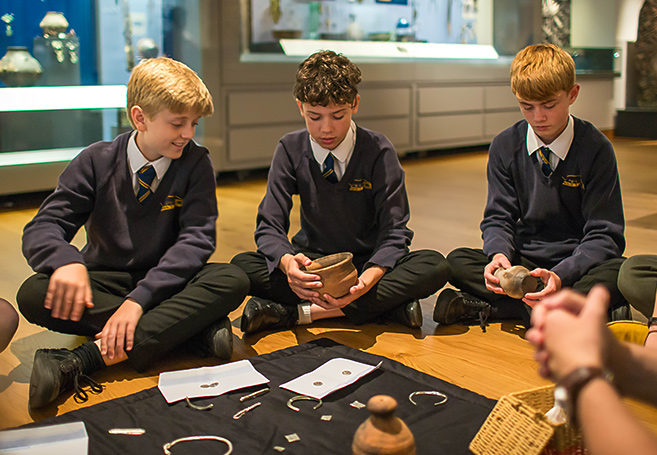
(329, 169)
(145, 176)
(546, 167)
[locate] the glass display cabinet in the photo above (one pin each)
(435, 72)
(373, 28)
(63, 75)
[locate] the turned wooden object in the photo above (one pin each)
(383, 432)
(337, 273)
(516, 281)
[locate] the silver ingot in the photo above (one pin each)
(255, 394)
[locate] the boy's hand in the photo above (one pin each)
(552, 284)
(69, 292)
(366, 281)
(331, 304)
(301, 282)
(119, 332)
(492, 282)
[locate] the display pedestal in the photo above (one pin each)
(636, 122)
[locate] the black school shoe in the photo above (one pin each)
(216, 340)
(261, 314)
(454, 306)
(408, 314)
(54, 372)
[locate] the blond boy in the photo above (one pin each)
(141, 285)
(554, 201)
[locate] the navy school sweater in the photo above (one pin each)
(365, 213)
(568, 222)
(169, 238)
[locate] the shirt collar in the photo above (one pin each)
(342, 152)
(137, 160)
(559, 146)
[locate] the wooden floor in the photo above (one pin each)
(447, 195)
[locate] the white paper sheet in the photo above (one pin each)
(64, 439)
(333, 375)
(208, 381)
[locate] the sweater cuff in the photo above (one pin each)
(142, 297)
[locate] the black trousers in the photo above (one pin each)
(467, 266)
(214, 292)
(638, 282)
(416, 275)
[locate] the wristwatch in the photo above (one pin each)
(568, 388)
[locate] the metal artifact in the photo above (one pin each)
(429, 392)
(303, 397)
(168, 445)
(239, 414)
(198, 408)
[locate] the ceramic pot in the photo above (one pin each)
(18, 68)
(337, 273)
(53, 23)
(516, 281)
(383, 432)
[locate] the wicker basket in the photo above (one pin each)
(518, 426)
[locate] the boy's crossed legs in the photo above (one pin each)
(199, 311)
(417, 275)
(467, 265)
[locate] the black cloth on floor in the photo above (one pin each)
(444, 429)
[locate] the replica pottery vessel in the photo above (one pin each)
(337, 273)
(18, 68)
(383, 432)
(53, 23)
(517, 281)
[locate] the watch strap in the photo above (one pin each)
(573, 383)
(652, 321)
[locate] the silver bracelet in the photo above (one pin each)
(429, 392)
(168, 445)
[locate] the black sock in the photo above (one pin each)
(508, 309)
(92, 360)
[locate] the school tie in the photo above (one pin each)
(546, 167)
(329, 169)
(145, 177)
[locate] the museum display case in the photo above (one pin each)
(435, 72)
(63, 75)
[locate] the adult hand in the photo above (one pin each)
(69, 292)
(651, 340)
(565, 338)
(302, 283)
(492, 282)
(551, 283)
(118, 334)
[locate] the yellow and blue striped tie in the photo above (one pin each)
(329, 169)
(145, 177)
(546, 167)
